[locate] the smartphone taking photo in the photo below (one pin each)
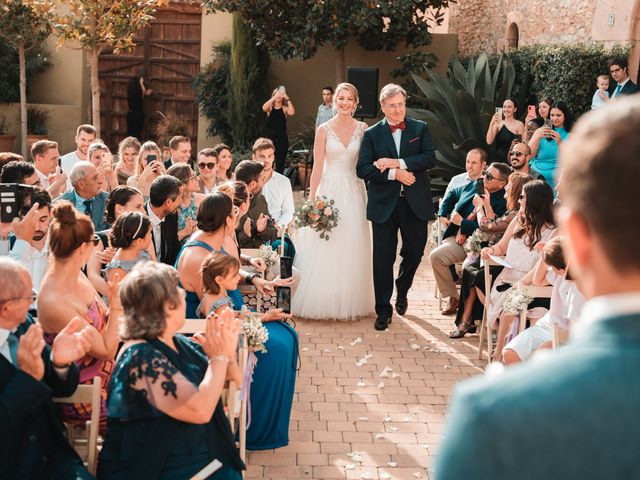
(283, 299)
(480, 187)
(286, 267)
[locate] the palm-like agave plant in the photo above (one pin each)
(460, 107)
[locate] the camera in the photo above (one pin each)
(15, 200)
(283, 299)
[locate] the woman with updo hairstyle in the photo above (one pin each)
(131, 235)
(66, 294)
(121, 199)
(165, 417)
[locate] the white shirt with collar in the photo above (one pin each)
(156, 223)
(603, 307)
(34, 260)
(279, 195)
(397, 135)
(4, 344)
(44, 179)
(66, 163)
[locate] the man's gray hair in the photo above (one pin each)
(11, 284)
(391, 89)
(96, 145)
(79, 171)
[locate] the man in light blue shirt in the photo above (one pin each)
(475, 164)
(325, 110)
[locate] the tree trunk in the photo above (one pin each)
(340, 65)
(95, 89)
(23, 102)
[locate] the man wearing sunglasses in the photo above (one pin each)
(208, 170)
(457, 214)
(519, 157)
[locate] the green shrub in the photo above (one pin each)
(37, 62)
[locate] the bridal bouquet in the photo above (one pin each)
(476, 241)
(320, 214)
(271, 260)
(255, 331)
(516, 301)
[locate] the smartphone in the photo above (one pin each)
(282, 89)
(531, 111)
(15, 200)
(151, 158)
(499, 111)
(283, 299)
(286, 267)
(547, 123)
(480, 187)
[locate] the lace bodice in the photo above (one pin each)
(340, 158)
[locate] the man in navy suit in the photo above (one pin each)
(619, 70)
(571, 414)
(394, 158)
(32, 444)
(87, 195)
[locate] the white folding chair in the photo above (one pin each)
(87, 394)
(535, 292)
(485, 327)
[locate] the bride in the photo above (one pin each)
(336, 275)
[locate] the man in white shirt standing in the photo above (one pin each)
(45, 158)
(325, 110)
(85, 134)
(277, 188)
(475, 164)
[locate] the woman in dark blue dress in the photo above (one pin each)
(165, 417)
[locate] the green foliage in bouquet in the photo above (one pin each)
(320, 214)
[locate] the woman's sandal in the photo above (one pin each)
(462, 329)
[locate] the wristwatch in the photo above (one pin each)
(249, 278)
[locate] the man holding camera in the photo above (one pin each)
(458, 216)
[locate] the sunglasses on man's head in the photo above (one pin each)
(207, 165)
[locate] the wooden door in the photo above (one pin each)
(167, 52)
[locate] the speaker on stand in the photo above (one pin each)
(366, 81)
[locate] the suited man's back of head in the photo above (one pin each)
(162, 188)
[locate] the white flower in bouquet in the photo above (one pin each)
(475, 241)
(516, 301)
(271, 260)
(255, 331)
(320, 214)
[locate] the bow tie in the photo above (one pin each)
(399, 126)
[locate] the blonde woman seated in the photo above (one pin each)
(165, 417)
(533, 225)
(148, 167)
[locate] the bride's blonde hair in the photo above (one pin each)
(352, 89)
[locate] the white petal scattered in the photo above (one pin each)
(349, 454)
(364, 419)
(379, 436)
(392, 464)
(384, 475)
(366, 475)
(415, 346)
(305, 349)
(385, 372)
(395, 375)
(350, 466)
(356, 458)
(340, 347)
(406, 419)
(368, 355)
(417, 475)
(377, 335)
(361, 362)
(387, 330)
(447, 367)
(381, 385)
(387, 419)
(361, 384)
(326, 350)
(425, 446)
(393, 429)
(356, 341)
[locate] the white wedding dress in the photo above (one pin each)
(337, 275)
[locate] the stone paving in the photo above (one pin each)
(368, 404)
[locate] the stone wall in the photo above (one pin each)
(482, 25)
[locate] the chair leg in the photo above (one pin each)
(481, 335)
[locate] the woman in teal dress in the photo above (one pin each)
(191, 198)
(545, 141)
(165, 417)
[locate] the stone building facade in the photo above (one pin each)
(496, 25)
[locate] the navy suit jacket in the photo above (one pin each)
(32, 444)
(417, 152)
(460, 200)
(628, 89)
(98, 205)
(569, 416)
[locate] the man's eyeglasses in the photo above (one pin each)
(207, 165)
(32, 298)
(95, 240)
(615, 70)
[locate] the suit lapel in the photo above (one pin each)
(404, 138)
(388, 138)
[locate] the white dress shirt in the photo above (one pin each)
(156, 223)
(44, 179)
(66, 163)
(397, 135)
(34, 260)
(4, 344)
(279, 195)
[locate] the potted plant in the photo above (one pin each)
(6, 138)
(37, 119)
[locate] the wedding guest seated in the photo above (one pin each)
(165, 195)
(121, 199)
(277, 188)
(45, 160)
(475, 164)
(148, 167)
(566, 305)
(100, 155)
(66, 294)
(33, 443)
(190, 200)
(131, 236)
(166, 419)
(519, 158)
(208, 170)
(128, 150)
(274, 373)
(534, 224)
(87, 195)
(19, 172)
(216, 218)
(458, 215)
(225, 162)
(470, 308)
(180, 148)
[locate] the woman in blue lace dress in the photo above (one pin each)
(131, 235)
(191, 198)
(165, 418)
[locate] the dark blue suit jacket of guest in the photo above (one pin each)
(417, 152)
(569, 416)
(628, 89)
(98, 205)
(32, 444)
(460, 200)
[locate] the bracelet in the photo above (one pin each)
(220, 358)
(249, 278)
